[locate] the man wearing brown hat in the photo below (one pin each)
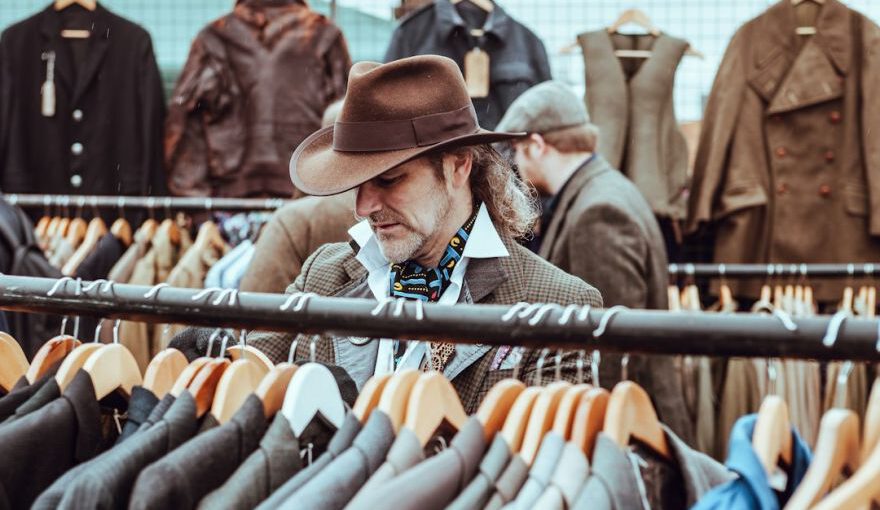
(440, 214)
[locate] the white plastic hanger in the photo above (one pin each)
(312, 391)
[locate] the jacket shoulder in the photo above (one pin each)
(324, 272)
(424, 14)
(543, 282)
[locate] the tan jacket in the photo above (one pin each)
(295, 232)
(788, 168)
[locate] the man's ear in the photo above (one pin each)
(536, 146)
(457, 166)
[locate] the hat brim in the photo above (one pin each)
(317, 169)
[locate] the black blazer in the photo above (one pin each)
(105, 137)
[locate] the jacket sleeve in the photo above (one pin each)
(152, 102)
(609, 252)
(186, 146)
(337, 63)
(871, 118)
(277, 257)
(719, 121)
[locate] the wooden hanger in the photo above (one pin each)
(121, 230)
(113, 368)
(486, 5)
(209, 237)
(76, 232)
(96, 230)
(42, 226)
(240, 379)
(163, 371)
(89, 5)
(312, 391)
(395, 396)
(52, 228)
(73, 362)
(589, 419)
(497, 404)
(772, 437)
(517, 420)
(630, 414)
(63, 225)
(871, 436)
(188, 375)
(148, 229)
(237, 352)
(204, 385)
(369, 397)
(433, 402)
(273, 387)
(541, 419)
(636, 17)
(674, 298)
(50, 353)
(837, 452)
(13, 362)
(564, 418)
(725, 298)
(170, 229)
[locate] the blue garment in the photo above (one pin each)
(217, 277)
(752, 489)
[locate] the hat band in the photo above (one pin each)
(381, 136)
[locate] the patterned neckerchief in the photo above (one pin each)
(413, 281)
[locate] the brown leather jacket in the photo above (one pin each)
(254, 86)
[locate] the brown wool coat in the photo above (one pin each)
(788, 168)
(334, 271)
(295, 232)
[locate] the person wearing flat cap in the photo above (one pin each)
(440, 211)
(596, 225)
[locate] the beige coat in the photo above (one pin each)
(788, 169)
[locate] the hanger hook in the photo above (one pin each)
(154, 291)
(97, 338)
(606, 319)
(63, 325)
(60, 283)
(206, 292)
(508, 316)
(534, 321)
(834, 324)
(224, 343)
(624, 367)
(108, 284)
(232, 293)
(567, 314)
(211, 339)
(519, 351)
(420, 310)
(580, 365)
(77, 293)
(398, 308)
(558, 364)
(529, 310)
(289, 301)
(303, 301)
(116, 325)
(381, 306)
(595, 360)
(313, 347)
(539, 366)
(786, 320)
(291, 355)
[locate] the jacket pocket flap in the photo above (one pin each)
(740, 196)
(855, 199)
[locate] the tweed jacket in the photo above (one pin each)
(295, 232)
(788, 167)
(603, 232)
(630, 100)
(334, 271)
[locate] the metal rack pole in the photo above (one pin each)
(657, 332)
(775, 270)
(156, 203)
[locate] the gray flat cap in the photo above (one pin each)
(548, 106)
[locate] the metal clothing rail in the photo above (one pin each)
(776, 270)
(573, 327)
(152, 203)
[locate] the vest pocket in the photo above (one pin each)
(738, 196)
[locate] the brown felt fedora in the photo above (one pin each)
(392, 113)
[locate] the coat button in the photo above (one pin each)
(824, 191)
(782, 189)
(76, 180)
(781, 152)
(829, 156)
(76, 149)
(77, 115)
(834, 117)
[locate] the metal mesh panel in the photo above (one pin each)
(367, 24)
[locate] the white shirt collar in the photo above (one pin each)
(484, 242)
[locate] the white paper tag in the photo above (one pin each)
(778, 480)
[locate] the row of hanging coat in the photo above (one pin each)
(236, 431)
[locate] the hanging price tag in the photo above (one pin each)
(47, 90)
(476, 72)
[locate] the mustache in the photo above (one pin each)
(382, 217)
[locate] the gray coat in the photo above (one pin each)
(603, 232)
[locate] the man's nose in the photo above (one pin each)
(368, 200)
